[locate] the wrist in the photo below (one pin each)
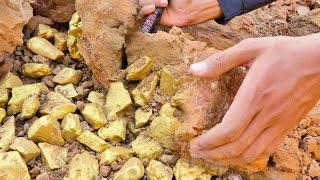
(204, 10)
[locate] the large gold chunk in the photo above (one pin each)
(140, 69)
(158, 171)
(43, 47)
(143, 92)
(83, 167)
(96, 98)
(57, 106)
(60, 41)
(142, 117)
(4, 98)
(94, 115)
(93, 141)
(118, 100)
(30, 107)
(68, 75)
(74, 34)
(27, 149)
(71, 127)
(46, 129)
(45, 31)
(67, 91)
(35, 70)
(7, 134)
(3, 114)
(133, 169)
(186, 170)
(54, 157)
(9, 81)
(13, 166)
(114, 132)
(146, 147)
(112, 154)
(171, 79)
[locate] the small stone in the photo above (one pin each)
(105, 171)
(93, 141)
(187, 170)
(27, 149)
(142, 117)
(146, 147)
(60, 41)
(140, 69)
(74, 33)
(303, 10)
(118, 100)
(67, 60)
(57, 106)
(114, 132)
(312, 145)
(39, 59)
(26, 59)
(67, 91)
(45, 31)
(316, 4)
(48, 81)
(13, 166)
(68, 75)
(43, 47)
(169, 159)
(143, 92)
(46, 129)
(3, 114)
(133, 169)
(115, 166)
(80, 105)
(43, 176)
(54, 157)
(30, 107)
(112, 154)
(9, 81)
(158, 171)
(4, 98)
(94, 115)
(83, 167)
(171, 79)
(71, 127)
(35, 70)
(7, 134)
(314, 169)
(96, 98)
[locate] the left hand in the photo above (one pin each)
(280, 88)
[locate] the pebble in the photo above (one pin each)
(105, 171)
(115, 166)
(43, 176)
(80, 105)
(48, 81)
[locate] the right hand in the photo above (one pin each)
(183, 12)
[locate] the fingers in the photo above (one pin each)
(145, 10)
(149, 6)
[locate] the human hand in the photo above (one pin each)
(281, 86)
(183, 12)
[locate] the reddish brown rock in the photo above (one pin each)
(35, 21)
(312, 145)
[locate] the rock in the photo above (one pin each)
(93, 141)
(167, 110)
(83, 167)
(259, 165)
(3, 114)
(60, 41)
(27, 149)
(314, 169)
(94, 115)
(169, 159)
(45, 31)
(57, 10)
(46, 129)
(10, 170)
(74, 34)
(30, 107)
(142, 117)
(158, 171)
(184, 169)
(303, 10)
(272, 175)
(57, 106)
(105, 171)
(35, 70)
(34, 22)
(118, 100)
(312, 145)
(139, 69)
(71, 127)
(146, 147)
(19, 95)
(4, 98)
(43, 47)
(67, 91)
(114, 132)
(9, 81)
(14, 15)
(96, 98)
(7, 134)
(133, 169)
(43, 176)
(112, 154)
(54, 157)
(171, 79)
(68, 75)
(143, 92)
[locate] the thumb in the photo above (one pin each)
(226, 60)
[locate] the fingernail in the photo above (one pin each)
(164, 2)
(151, 7)
(199, 67)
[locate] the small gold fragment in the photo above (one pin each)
(185, 170)
(30, 107)
(93, 141)
(158, 171)
(94, 115)
(180, 98)
(74, 34)
(7, 134)
(96, 98)
(142, 117)
(27, 149)
(112, 154)
(68, 75)
(9, 81)
(67, 91)
(13, 166)
(171, 79)
(114, 132)
(167, 110)
(71, 127)
(3, 114)
(45, 31)
(4, 98)
(54, 157)
(146, 147)
(133, 169)
(143, 92)
(43, 47)
(35, 70)
(139, 69)
(60, 41)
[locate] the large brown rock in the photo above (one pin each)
(57, 10)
